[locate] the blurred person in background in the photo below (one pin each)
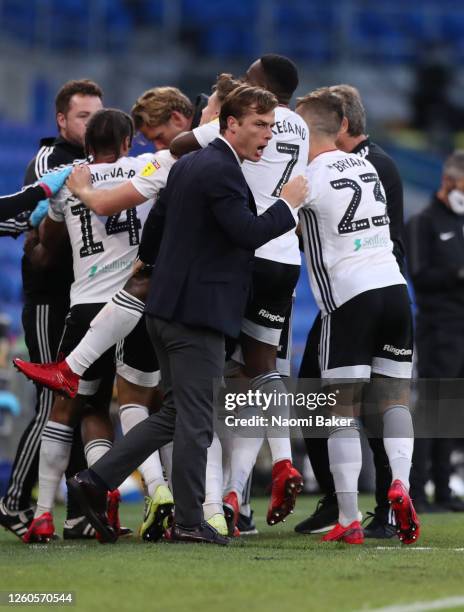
(433, 108)
(46, 294)
(435, 242)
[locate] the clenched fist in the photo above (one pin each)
(295, 191)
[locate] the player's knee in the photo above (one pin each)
(138, 286)
(343, 427)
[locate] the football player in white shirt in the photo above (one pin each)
(367, 321)
(104, 249)
(265, 330)
(159, 114)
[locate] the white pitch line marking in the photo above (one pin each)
(418, 548)
(421, 606)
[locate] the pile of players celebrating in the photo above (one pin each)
(178, 267)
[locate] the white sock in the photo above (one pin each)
(214, 480)
(166, 461)
(95, 449)
(398, 439)
(272, 384)
(55, 450)
(245, 509)
(244, 454)
(345, 460)
(151, 469)
(113, 323)
(280, 449)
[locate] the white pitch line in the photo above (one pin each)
(408, 548)
(421, 606)
(418, 548)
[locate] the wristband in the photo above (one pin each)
(48, 192)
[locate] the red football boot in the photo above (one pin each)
(112, 513)
(57, 375)
(407, 521)
(287, 482)
(352, 534)
(114, 497)
(41, 530)
(231, 511)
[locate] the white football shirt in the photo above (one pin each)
(104, 248)
(285, 157)
(154, 175)
(345, 230)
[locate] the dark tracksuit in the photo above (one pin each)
(435, 258)
(46, 304)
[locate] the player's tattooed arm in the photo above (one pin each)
(103, 201)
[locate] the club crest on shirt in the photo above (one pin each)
(150, 168)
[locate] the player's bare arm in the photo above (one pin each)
(103, 201)
(51, 235)
(184, 143)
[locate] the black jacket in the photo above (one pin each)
(201, 236)
(42, 286)
(435, 241)
(20, 202)
(391, 181)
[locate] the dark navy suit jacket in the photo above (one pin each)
(201, 236)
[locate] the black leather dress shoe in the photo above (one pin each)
(202, 534)
(92, 500)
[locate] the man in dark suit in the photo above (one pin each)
(200, 238)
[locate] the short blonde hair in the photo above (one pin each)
(322, 110)
(155, 106)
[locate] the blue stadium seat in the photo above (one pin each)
(224, 41)
(205, 14)
(13, 311)
(11, 289)
(11, 252)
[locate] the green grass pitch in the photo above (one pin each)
(277, 570)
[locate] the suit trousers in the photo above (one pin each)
(191, 362)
